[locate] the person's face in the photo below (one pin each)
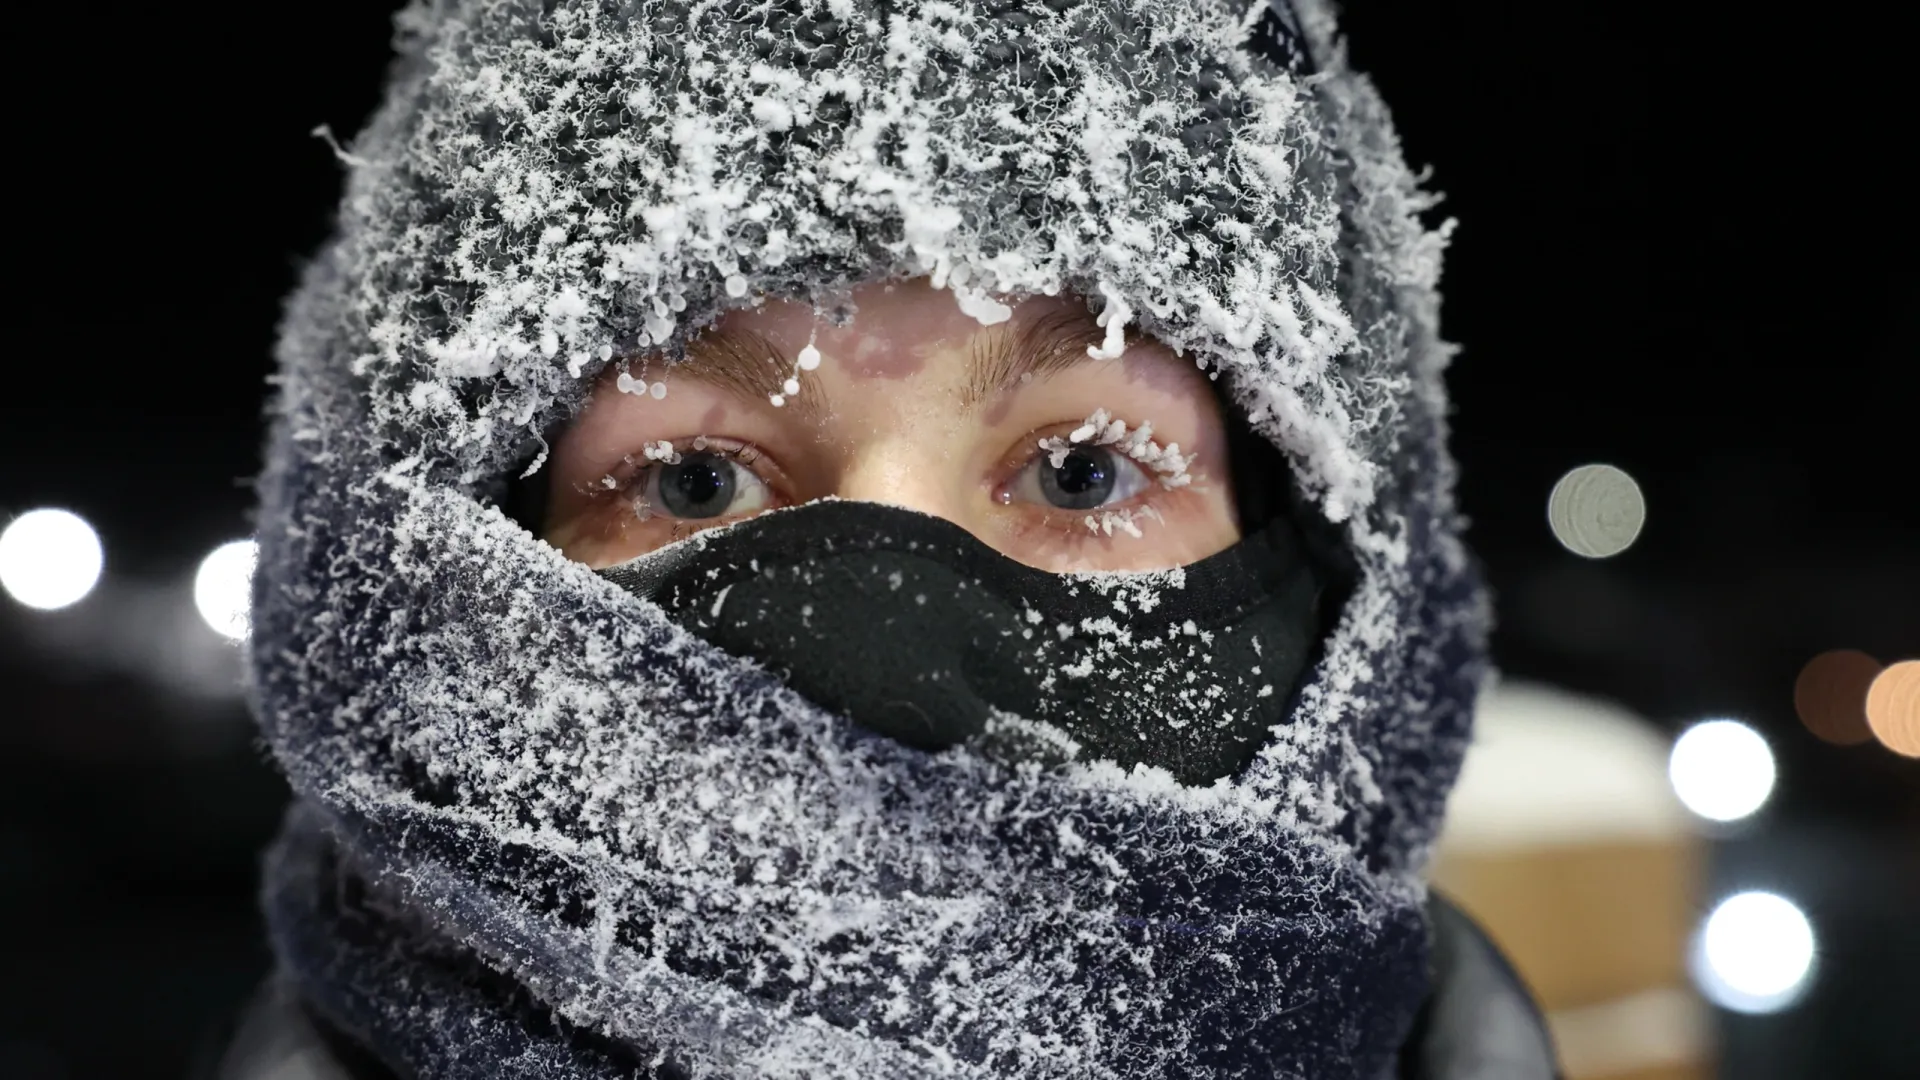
(915, 404)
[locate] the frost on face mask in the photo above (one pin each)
(566, 806)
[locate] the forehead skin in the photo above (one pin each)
(901, 328)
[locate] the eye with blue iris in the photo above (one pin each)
(706, 484)
(1080, 478)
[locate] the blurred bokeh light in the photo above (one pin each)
(1893, 708)
(1830, 695)
(1722, 770)
(49, 559)
(221, 587)
(1596, 511)
(1755, 953)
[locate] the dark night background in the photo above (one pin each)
(1685, 249)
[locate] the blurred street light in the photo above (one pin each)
(49, 559)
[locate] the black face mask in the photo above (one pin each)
(914, 629)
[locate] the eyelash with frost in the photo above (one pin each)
(1105, 521)
(1101, 429)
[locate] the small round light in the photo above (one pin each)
(49, 559)
(223, 586)
(1755, 953)
(1893, 708)
(1596, 511)
(1830, 695)
(1722, 770)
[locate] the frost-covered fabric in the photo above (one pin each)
(543, 831)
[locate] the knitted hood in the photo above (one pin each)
(541, 828)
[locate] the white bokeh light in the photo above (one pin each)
(1596, 511)
(49, 559)
(1722, 769)
(1755, 953)
(222, 587)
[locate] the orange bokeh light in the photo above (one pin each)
(1831, 695)
(1893, 708)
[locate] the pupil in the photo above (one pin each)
(700, 486)
(1081, 482)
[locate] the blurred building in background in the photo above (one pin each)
(1566, 842)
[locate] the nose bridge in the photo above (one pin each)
(902, 470)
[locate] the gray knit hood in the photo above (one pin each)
(543, 830)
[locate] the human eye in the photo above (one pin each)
(712, 482)
(1078, 478)
(670, 491)
(1096, 477)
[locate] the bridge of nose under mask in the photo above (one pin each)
(912, 628)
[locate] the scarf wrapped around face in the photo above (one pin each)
(542, 830)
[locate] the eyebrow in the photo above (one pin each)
(1003, 356)
(749, 366)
